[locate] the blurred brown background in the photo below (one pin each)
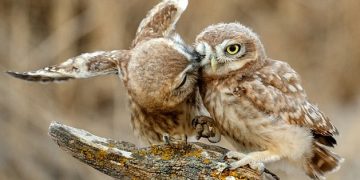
(320, 39)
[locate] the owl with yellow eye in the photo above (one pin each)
(260, 106)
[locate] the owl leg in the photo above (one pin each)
(169, 139)
(204, 127)
(184, 138)
(235, 155)
(255, 160)
(166, 138)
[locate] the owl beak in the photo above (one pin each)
(213, 63)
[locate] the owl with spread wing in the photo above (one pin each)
(159, 72)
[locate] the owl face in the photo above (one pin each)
(228, 47)
(162, 74)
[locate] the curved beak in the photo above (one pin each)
(213, 63)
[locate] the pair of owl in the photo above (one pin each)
(224, 84)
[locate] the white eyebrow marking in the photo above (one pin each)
(204, 49)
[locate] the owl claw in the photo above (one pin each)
(257, 166)
(204, 127)
(206, 132)
(216, 136)
(166, 139)
(243, 160)
(235, 155)
(170, 139)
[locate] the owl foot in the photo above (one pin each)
(166, 139)
(235, 155)
(169, 139)
(204, 127)
(243, 159)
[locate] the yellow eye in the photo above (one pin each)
(233, 49)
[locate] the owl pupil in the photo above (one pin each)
(233, 49)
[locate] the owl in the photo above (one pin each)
(159, 72)
(260, 106)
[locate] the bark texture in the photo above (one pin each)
(123, 160)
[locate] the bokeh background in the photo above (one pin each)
(320, 40)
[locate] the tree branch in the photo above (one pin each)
(122, 160)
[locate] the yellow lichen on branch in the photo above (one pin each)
(122, 160)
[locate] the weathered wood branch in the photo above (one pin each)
(122, 160)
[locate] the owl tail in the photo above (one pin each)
(323, 161)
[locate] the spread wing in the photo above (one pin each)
(161, 20)
(82, 66)
(276, 90)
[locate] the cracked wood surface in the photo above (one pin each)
(123, 160)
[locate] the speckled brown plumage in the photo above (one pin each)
(161, 77)
(260, 106)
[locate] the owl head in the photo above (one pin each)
(228, 47)
(162, 74)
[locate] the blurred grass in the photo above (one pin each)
(320, 39)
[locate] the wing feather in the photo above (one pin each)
(277, 90)
(161, 20)
(82, 66)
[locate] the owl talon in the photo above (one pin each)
(184, 138)
(166, 139)
(216, 137)
(204, 127)
(235, 155)
(257, 166)
(171, 139)
(243, 160)
(206, 132)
